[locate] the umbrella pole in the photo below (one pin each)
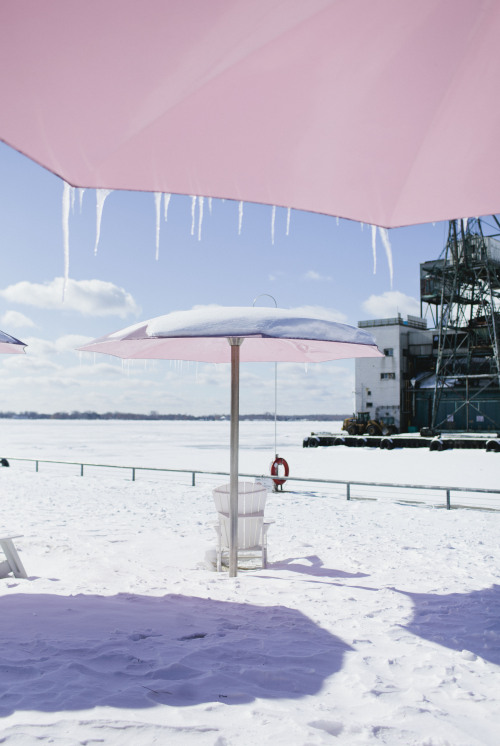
(235, 343)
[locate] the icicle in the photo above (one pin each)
(288, 213)
(157, 196)
(72, 200)
(81, 192)
(374, 248)
(337, 221)
(210, 205)
(100, 195)
(362, 227)
(388, 250)
(240, 216)
(165, 206)
(193, 208)
(66, 202)
(273, 221)
(200, 215)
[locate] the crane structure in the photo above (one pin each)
(461, 290)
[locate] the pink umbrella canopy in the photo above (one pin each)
(229, 334)
(270, 334)
(383, 112)
(10, 344)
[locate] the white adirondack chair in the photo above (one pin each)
(252, 528)
(13, 563)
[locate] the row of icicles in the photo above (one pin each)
(68, 205)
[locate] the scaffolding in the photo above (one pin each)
(461, 290)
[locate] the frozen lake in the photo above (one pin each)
(204, 446)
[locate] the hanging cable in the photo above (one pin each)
(266, 295)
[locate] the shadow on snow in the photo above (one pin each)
(313, 565)
(129, 651)
(460, 621)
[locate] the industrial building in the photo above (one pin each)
(385, 386)
(447, 377)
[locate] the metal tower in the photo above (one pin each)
(462, 292)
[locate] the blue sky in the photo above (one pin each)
(322, 263)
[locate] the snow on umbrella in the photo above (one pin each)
(234, 335)
(375, 111)
(10, 344)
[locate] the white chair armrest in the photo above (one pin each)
(13, 560)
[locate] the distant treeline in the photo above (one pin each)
(156, 416)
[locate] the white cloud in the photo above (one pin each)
(15, 320)
(316, 276)
(70, 342)
(46, 385)
(332, 314)
(21, 365)
(40, 348)
(324, 387)
(391, 303)
(40, 351)
(276, 275)
(89, 297)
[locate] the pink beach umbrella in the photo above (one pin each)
(10, 344)
(234, 335)
(383, 112)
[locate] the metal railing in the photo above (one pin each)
(348, 485)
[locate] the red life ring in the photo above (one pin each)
(278, 461)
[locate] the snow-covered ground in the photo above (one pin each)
(376, 621)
